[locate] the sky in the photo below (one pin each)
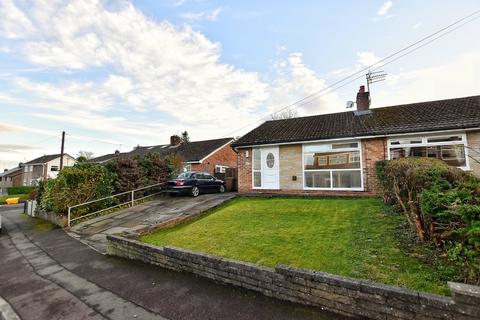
(115, 74)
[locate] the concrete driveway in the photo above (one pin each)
(94, 232)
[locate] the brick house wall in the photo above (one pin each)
(373, 150)
(226, 156)
(291, 164)
(473, 151)
(244, 158)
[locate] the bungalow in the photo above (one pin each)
(336, 153)
(212, 156)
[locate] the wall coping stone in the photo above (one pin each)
(344, 295)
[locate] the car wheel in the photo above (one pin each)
(221, 189)
(195, 191)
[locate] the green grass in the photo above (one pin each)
(350, 237)
(21, 196)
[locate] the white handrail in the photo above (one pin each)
(131, 202)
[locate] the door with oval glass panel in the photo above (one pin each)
(270, 168)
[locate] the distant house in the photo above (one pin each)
(43, 168)
(107, 157)
(212, 156)
(337, 153)
(10, 178)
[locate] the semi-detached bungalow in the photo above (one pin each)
(337, 153)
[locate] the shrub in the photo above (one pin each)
(128, 174)
(75, 185)
(441, 203)
(154, 168)
(20, 190)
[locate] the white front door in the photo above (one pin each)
(270, 168)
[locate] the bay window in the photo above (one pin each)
(449, 148)
(332, 166)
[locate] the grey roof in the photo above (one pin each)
(45, 158)
(10, 171)
(190, 152)
(459, 113)
(106, 157)
(193, 151)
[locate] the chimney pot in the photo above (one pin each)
(175, 140)
(362, 89)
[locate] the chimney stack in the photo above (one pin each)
(117, 152)
(175, 140)
(363, 99)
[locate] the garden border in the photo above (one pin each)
(343, 295)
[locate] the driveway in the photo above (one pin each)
(94, 232)
(45, 274)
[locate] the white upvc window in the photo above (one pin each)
(451, 148)
(257, 168)
(333, 166)
(220, 168)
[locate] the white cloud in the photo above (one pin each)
(204, 15)
(432, 83)
(294, 81)
(367, 58)
(417, 25)
(156, 67)
(14, 23)
(385, 8)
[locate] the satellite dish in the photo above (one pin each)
(350, 104)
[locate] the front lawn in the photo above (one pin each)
(21, 196)
(350, 237)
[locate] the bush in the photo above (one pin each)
(20, 190)
(441, 203)
(127, 172)
(75, 185)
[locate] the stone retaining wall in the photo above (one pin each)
(347, 296)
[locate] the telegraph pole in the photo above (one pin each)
(61, 152)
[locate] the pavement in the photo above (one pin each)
(94, 232)
(46, 274)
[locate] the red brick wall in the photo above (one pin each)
(244, 170)
(373, 150)
(225, 157)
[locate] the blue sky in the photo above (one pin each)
(114, 74)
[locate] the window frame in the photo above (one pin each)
(425, 143)
(256, 170)
(358, 148)
(221, 168)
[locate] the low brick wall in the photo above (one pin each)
(346, 296)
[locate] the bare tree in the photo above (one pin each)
(284, 114)
(85, 154)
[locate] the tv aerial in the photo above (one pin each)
(375, 76)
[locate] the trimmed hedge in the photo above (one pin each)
(20, 190)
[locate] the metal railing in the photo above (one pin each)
(130, 202)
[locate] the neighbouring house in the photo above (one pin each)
(107, 157)
(337, 153)
(42, 168)
(212, 156)
(10, 178)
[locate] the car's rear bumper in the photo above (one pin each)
(179, 189)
